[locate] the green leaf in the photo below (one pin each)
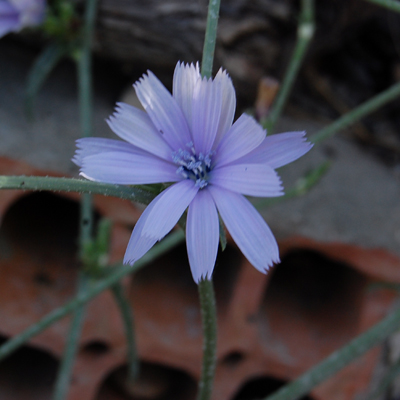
(40, 70)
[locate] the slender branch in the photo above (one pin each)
(305, 32)
(210, 38)
(209, 320)
(128, 320)
(206, 290)
(75, 185)
(68, 359)
(359, 112)
(301, 187)
(118, 273)
(86, 218)
(339, 359)
(389, 4)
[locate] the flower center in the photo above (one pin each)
(193, 166)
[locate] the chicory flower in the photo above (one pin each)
(188, 139)
(18, 14)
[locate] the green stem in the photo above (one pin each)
(209, 320)
(361, 111)
(71, 347)
(86, 218)
(305, 32)
(206, 290)
(75, 185)
(302, 186)
(390, 4)
(95, 289)
(210, 38)
(339, 359)
(128, 320)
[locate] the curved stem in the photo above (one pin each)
(68, 359)
(209, 320)
(86, 218)
(359, 112)
(128, 320)
(305, 33)
(339, 359)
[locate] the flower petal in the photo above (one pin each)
(228, 105)
(9, 18)
(247, 228)
(202, 235)
(168, 208)
(127, 168)
(206, 111)
(164, 111)
(135, 126)
(159, 217)
(244, 136)
(91, 146)
(280, 149)
(249, 179)
(185, 78)
(138, 244)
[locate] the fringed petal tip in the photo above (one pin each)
(77, 159)
(271, 264)
(198, 279)
(181, 65)
(128, 261)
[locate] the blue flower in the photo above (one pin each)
(189, 139)
(18, 14)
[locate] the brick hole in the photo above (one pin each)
(44, 228)
(261, 387)
(233, 359)
(42, 225)
(311, 302)
(40, 266)
(155, 382)
(174, 271)
(95, 348)
(225, 274)
(27, 374)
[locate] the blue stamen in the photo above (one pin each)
(192, 166)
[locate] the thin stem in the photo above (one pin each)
(389, 4)
(75, 185)
(339, 359)
(95, 289)
(68, 359)
(86, 218)
(84, 63)
(305, 32)
(359, 112)
(209, 320)
(128, 320)
(206, 290)
(210, 38)
(302, 186)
